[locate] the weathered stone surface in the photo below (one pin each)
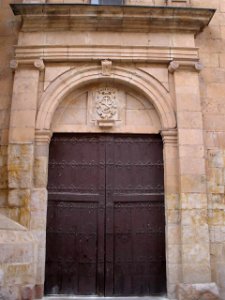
(8, 224)
(204, 291)
(194, 161)
(9, 292)
(19, 198)
(40, 171)
(27, 292)
(20, 161)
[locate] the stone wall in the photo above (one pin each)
(195, 200)
(211, 45)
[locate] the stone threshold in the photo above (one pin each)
(103, 298)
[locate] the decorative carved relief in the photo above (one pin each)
(106, 67)
(106, 106)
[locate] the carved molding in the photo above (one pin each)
(178, 2)
(106, 53)
(112, 18)
(153, 90)
(43, 136)
(169, 136)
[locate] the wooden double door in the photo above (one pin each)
(105, 219)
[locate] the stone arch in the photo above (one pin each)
(153, 90)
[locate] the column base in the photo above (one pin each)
(39, 291)
(201, 291)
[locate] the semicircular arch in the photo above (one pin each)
(150, 87)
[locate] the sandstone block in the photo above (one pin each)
(190, 137)
(193, 201)
(20, 273)
(172, 201)
(11, 292)
(217, 234)
(39, 291)
(38, 220)
(197, 166)
(216, 180)
(207, 291)
(192, 183)
(216, 201)
(174, 272)
(20, 162)
(195, 252)
(27, 292)
(194, 273)
(215, 158)
(195, 234)
(24, 216)
(194, 217)
(174, 254)
(19, 198)
(38, 200)
(173, 216)
(41, 171)
(3, 198)
(19, 253)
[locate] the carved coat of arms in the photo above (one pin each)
(106, 103)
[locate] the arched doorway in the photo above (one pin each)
(149, 110)
(106, 220)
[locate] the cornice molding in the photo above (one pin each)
(82, 17)
(101, 53)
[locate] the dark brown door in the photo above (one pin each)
(105, 223)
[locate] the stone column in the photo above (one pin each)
(21, 138)
(195, 253)
(172, 213)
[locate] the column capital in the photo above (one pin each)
(173, 66)
(43, 136)
(180, 65)
(13, 64)
(37, 63)
(169, 136)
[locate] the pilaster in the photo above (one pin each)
(172, 213)
(21, 138)
(195, 252)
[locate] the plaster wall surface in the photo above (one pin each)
(194, 150)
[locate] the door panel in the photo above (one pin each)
(76, 214)
(135, 221)
(105, 223)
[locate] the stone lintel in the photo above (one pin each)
(110, 18)
(203, 291)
